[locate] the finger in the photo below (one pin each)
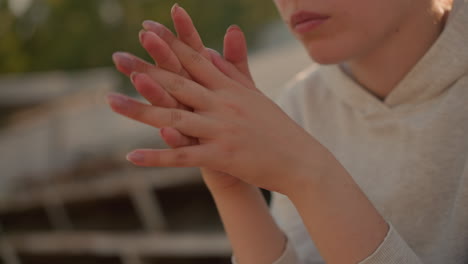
(155, 94)
(161, 52)
(235, 50)
(186, 30)
(200, 68)
(188, 123)
(183, 90)
(127, 63)
(165, 34)
(230, 70)
(175, 139)
(190, 156)
(160, 30)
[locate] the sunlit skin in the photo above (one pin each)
(258, 240)
(378, 41)
(234, 64)
(213, 116)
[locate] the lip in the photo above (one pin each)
(305, 21)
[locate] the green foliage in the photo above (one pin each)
(76, 34)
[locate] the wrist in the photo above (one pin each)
(314, 172)
(331, 204)
(219, 182)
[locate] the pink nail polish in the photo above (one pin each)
(175, 8)
(123, 60)
(213, 51)
(133, 76)
(136, 157)
(162, 131)
(117, 100)
(141, 35)
(234, 28)
(152, 26)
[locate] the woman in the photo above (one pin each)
(370, 163)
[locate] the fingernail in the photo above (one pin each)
(175, 8)
(123, 59)
(136, 157)
(133, 77)
(152, 26)
(117, 100)
(215, 56)
(213, 50)
(234, 28)
(141, 35)
(162, 131)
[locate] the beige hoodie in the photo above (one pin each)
(409, 153)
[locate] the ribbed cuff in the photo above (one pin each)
(289, 256)
(392, 250)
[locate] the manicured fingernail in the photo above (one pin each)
(136, 157)
(162, 131)
(122, 59)
(133, 77)
(152, 26)
(216, 58)
(214, 51)
(141, 35)
(175, 8)
(117, 100)
(234, 28)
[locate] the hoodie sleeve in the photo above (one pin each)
(392, 250)
(289, 256)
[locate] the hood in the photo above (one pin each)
(444, 63)
(441, 67)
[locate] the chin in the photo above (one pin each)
(326, 53)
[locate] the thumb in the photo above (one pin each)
(235, 50)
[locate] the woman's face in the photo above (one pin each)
(339, 30)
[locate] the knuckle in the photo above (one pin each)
(182, 72)
(177, 84)
(228, 149)
(196, 58)
(176, 117)
(237, 110)
(181, 158)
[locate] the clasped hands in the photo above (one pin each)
(210, 113)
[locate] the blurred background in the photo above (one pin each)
(67, 194)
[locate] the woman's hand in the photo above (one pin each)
(241, 132)
(235, 65)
